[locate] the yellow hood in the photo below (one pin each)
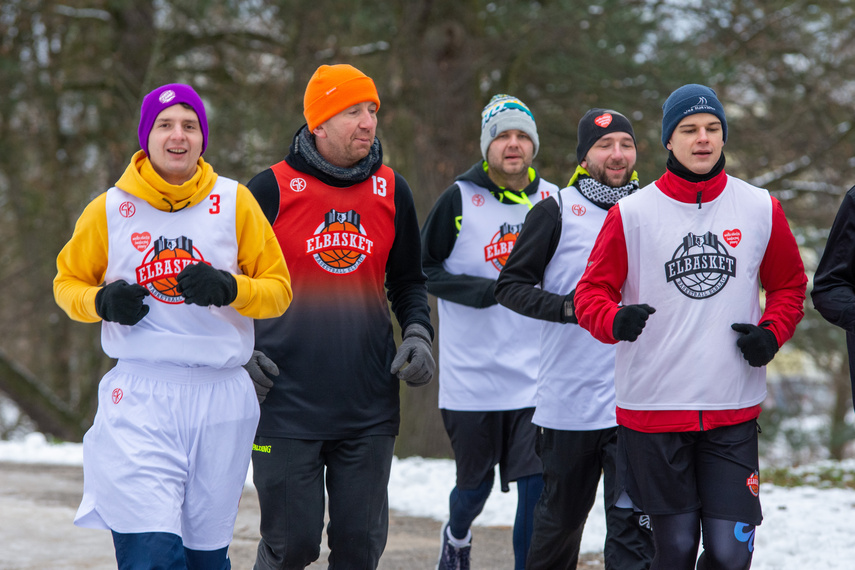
(141, 180)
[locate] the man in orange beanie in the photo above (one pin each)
(347, 226)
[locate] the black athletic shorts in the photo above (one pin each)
(714, 471)
(482, 440)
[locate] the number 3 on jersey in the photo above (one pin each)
(379, 185)
(215, 203)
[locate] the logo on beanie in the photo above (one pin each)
(501, 245)
(340, 243)
(500, 104)
(166, 96)
(162, 264)
(702, 106)
(603, 120)
(753, 483)
(701, 266)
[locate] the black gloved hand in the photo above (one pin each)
(415, 349)
(568, 309)
(260, 368)
(758, 344)
(122, 303)
(203, 285)
(630, 320)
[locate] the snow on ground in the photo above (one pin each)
(803, 527)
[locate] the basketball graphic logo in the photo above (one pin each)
(340, 243)
(162, 264)
(701, 266)
(753, 483)
(501, 245)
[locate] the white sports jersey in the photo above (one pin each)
(575, 385)
(150, 247)
(698, 267)
(488, 357)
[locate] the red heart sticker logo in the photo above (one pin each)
(603, 121)
(732, 237)
(141, 241)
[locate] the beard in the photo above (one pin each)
(603, 175)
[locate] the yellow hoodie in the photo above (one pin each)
(264, 289)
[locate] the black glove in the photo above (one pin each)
(630, 320)
(758, 344)
(122, 303)
(568, 309)
(203, 285)
(260, 369)
(415, 349)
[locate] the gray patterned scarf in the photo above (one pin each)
(602, 195)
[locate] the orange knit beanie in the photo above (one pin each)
(334, 88)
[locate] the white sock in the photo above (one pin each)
(459, 542)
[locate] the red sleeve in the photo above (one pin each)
(782, 275)
(598, 293)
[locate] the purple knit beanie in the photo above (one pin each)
(164, 97)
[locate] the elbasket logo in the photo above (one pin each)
(501, 245)
(753, 483)
(700, 266)
(163, 263)
(340, 243)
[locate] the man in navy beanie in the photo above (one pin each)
(674, 280)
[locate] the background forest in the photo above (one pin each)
(73, 73)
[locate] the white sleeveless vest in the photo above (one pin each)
(149, 247)
(698, 267)
(575, 385)
(488, 358)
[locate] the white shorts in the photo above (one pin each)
(169, 452)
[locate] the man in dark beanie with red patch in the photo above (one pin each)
(674, 281)
(575, 404)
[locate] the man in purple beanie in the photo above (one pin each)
(175, 262)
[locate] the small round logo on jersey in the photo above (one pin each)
(579, 209)
(163, 263)
(478, 200)
(298, 184)
(340, 243)
(117, 395)
(127, 209)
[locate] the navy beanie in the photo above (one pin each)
(596, 124)
(689, 100)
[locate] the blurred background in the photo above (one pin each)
(73, 74)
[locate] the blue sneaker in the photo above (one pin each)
(453, 557)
